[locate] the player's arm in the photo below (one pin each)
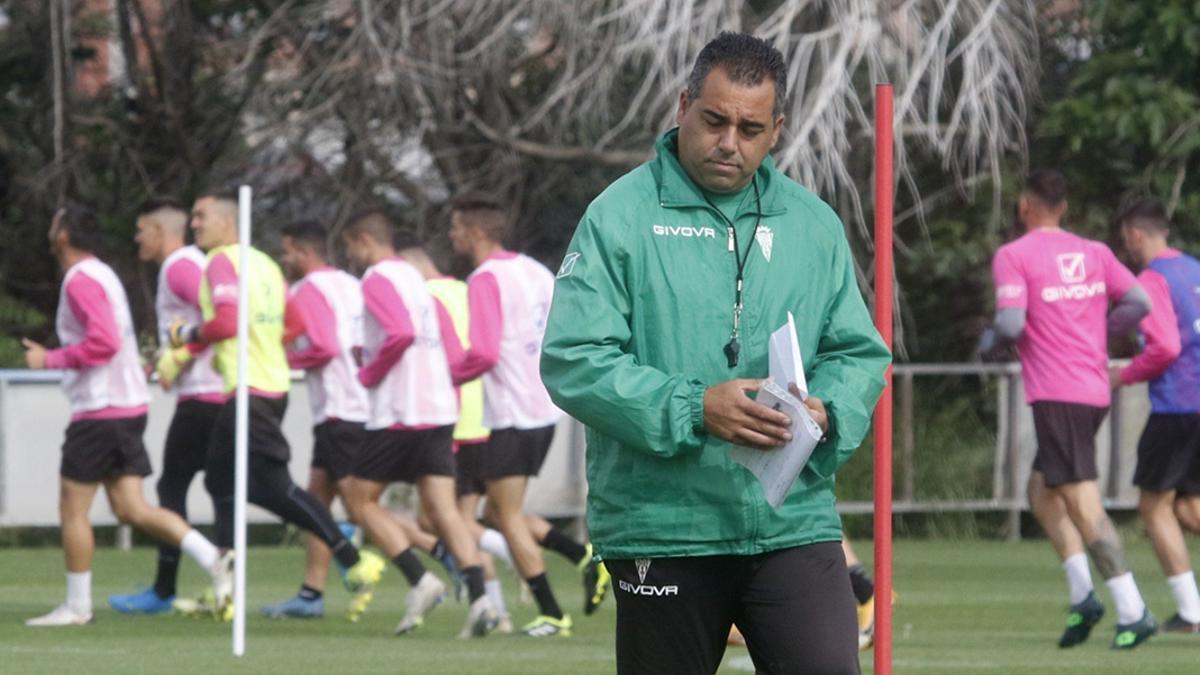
(1159, 329)
(222, 279)
(586, 370)
(450, 342)
(483, 301)
(312, 317)
(102, 340)
(1130, 301)
(847, 369)
(1011, 301)
(385, 305)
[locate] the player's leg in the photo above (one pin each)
(797, 611)
(183, 457)
(309, 601)
(595, 576)
(438, 502)
(864, 594)
(1187, 511)
(74, 502)
(673, 614)
(1056, 462)
(470, 488)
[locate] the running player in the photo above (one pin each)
(269, 485)
(1052, 292)
(325, 307)
(410, 424)
(470, 435)
(509, 297)
(1168, 468)
(107, 391)
(161, 229)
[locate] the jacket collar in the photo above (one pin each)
(677, 190)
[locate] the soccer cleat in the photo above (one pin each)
(596, 581)
(481, 619)
(295, 607)
(1178, 624)
(61, 616)
(365, 574)
(420, 601)
(866, 624)
(204, 607)
(1133, 634)
(353, 535)
(547, 626)
(1082, 617)
(145, 601)
(222, 581)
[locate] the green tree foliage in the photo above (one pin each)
(1128, 119)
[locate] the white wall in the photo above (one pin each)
(34, 415)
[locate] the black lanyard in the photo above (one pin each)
(733, 346)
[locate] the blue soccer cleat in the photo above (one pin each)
(145, 601)
(295, 607)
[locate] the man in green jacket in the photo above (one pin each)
(656, 339)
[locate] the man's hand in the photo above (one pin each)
(35, 354)
(816, 408)
(1114, 377)
(732, 416)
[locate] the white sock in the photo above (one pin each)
(200, 549)
(1130, 606)
(79, 591)
(496, 595)
(1187, 598)
(493, 542)
(1079, 577)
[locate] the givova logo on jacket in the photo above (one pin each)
(692, 231)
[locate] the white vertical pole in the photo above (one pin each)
(243, 418)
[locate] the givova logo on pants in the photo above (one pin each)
(642, 588)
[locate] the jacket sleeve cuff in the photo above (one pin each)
(696, 401)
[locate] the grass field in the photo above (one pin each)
(964, 607)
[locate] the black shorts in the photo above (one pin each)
(186, 446)
(794, 606)
(1066, 438)
(265, 434)
(1169, 454)
(514, 452)
(405, 455)
(96, 450)
(466, 469)
(335, 445)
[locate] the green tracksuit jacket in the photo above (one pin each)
(642, 309)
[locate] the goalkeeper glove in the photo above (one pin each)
(170, 364)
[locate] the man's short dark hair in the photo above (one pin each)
(372, 222)
(484, 211)
(80, 224)
(222, 194)
(746, 59)
(308, 233)
(1047, 186)
(1147, 214)
(156, 204)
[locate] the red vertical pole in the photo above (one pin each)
(883, 412)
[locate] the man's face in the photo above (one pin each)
(1132, 238)
(293, 258)
(460, 233)
(149, 239)
(210, 223)
(725, 133)
(357, 250)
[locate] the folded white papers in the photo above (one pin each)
(778, 469)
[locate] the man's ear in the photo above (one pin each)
(683, 106)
